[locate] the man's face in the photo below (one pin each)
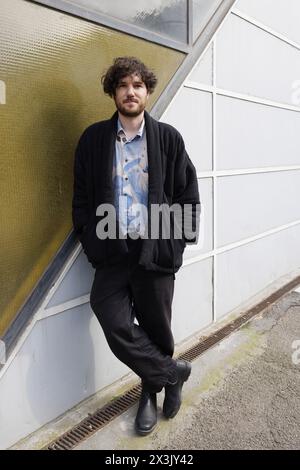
(131, 96)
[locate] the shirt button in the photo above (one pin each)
(126, 159)
(124, 139)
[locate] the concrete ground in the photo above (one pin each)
(243, 393)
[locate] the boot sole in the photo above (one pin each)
(144, 432)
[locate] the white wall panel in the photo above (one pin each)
(203, 71)
(192, 307)
(191, 113)
(77, 282)
(281, 15)
(252, 61)
(256, 135)
(254, 203)
(245, 271)
(205, 240)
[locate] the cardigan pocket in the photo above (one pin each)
(168, 252)
(93, 246)
(167, 257)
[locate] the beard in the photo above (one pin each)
(131, 112)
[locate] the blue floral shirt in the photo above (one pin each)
(130, 181)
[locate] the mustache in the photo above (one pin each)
(130, 101)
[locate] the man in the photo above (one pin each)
(132, 164)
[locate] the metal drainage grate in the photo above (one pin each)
(112, 410)
(96, 421)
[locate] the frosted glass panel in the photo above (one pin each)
(202, 12)
(165, 17)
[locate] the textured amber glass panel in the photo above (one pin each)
(50, 64)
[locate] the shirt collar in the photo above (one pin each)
(139, 132)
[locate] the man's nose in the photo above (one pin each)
(130, 91)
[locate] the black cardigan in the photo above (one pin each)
(172, 179)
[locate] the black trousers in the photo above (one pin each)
(124, 291)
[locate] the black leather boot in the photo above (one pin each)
(146, 418)
(172, 401)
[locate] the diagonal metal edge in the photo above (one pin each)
(101, 417)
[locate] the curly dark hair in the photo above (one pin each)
(122, 67)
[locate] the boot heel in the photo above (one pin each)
(172, 400)
(188, 371)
